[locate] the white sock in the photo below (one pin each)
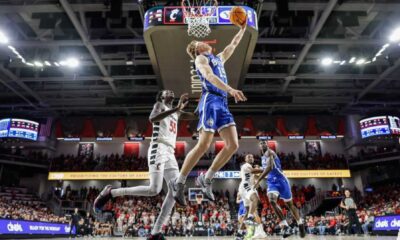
(181, 179)
(250, 215)
(284, 222)
(210, 174)
(300, 221)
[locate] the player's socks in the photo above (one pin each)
(210, 174)
(284, 223)
(181, 179)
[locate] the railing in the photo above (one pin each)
(61, 206)
(313, 203)
(22, 160)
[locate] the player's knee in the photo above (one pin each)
(202, 147)
(232, 146)
(154, 190)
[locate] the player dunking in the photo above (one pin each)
(278, 187)
(214, 114)
(161, 158)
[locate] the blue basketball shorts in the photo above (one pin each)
(280, 187)
(214, 114)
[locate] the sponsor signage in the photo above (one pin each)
(8, 226)
(136, 139)
(73, 139)
(328, 137)
(159, 16)
(265, 137)
(387, 223)
(104, 139)
(218, 175)
(98, 175)
(295, 137)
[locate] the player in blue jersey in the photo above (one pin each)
(278, 187)
(242, 212)
(214, 114)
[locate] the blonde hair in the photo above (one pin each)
(192, 49)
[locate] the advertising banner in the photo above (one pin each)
(387, 223)
(218, 175)
(8, 226)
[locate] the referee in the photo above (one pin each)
(350, 206)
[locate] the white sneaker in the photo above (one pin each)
(260, 234)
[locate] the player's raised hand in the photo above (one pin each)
(244, 25)
(183, 101)
(238, 95)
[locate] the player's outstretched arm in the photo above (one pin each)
(228, 51)
(203, 66)
(158, 113)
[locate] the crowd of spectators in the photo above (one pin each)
(117, 162)
(135, 216)
(376, 152)
(384, 200)
(16, 154)
(17, 205)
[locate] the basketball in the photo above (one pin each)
(238, 16)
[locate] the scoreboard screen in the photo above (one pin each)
(4, 125)
(394, 123)
(19, 128)
(380, 125)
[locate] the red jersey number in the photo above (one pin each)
(172, 127)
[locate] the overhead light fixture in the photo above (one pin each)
(38, 64)
(30, 64)
(3, 38)
(343, 62)
(360, 61)
(129, 62)
(395, 36)
(47, 63)
(353, 59)
(326, 61)
(72, 62)
(272, 62)
(57, 64)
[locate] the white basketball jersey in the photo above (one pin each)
(246, 176)
(165, 130)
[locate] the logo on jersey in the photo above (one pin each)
(210, 122)
(215, 61)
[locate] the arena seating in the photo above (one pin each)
(384, 200)
(116, 162)
(16, 203)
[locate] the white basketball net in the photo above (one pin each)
(198, 26)
(197, 14)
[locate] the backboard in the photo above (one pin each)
(166, 38)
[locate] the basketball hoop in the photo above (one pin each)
(197, 14)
